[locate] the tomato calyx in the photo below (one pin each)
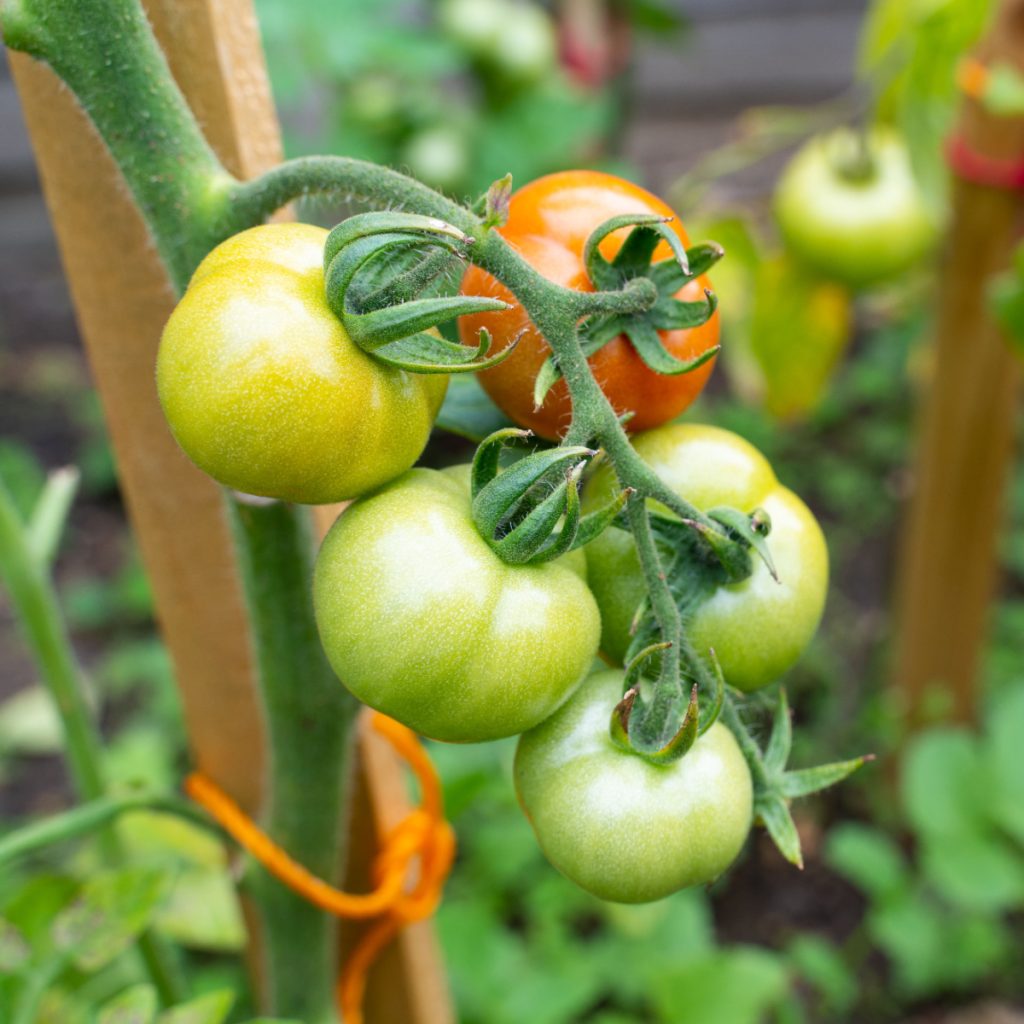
(374, 274)
(653, 285)
(530, 512)
(495, 203)
(776, 785)
(638, 725)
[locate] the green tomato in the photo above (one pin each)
(855, 217)
(619, 826)
(517, 39)
(265, 391)
(421, 620)
(758, 627)
(438, 156)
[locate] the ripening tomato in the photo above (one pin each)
(619, 826)
(266, 392)
(758, 627)
(548, 225)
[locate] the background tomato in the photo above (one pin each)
(423, 621)
(619, 826)
(758, 628)
(549, 222)
(265, 391)
(856, 217)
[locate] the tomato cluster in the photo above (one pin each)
(419, 614)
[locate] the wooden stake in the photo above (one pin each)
(948, 562)
(122, 300)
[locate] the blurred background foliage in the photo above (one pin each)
(911, 903)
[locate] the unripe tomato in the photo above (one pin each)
(619, 826)
(517, 39)
(423, 621)
(438, 156)
(548, 225)
(265, 391)
(757, 628)
(855, 217)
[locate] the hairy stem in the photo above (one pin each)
(310, 717)
(88, 817)
(104, 50)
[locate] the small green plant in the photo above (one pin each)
(941, 914)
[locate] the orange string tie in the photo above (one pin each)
(423, 833)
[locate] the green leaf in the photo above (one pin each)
(135, 1005)
(735, 986)
(868, 858)
(820, 964)
(975, 872)
(33, 906)
(212, 1008)
(201, 910)
(800, 327)
(468, 411)
(21, 475)
(49, 517)
(29, 724)
(111, 911)
(942, 784)
(14, 950)
(1006, 293)
(911, 932)
(1004, 765)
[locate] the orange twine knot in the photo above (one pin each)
(423, 833)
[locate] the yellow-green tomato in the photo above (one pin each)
(851, 209)
(619, 826)
(420, 619)
(758, 627)
(265, 391)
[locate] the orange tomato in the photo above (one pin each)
(549, 222)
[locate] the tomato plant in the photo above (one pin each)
(757, 627)
(265, 391)
(423, 621)
(549, 221)
(849, 207)
(619, 826)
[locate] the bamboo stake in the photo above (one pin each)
(122, 300)
(948, 561)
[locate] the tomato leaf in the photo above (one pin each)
(135, 1005)
(212, 1008)
(774, 813)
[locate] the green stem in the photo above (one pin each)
(104, 50)
(38, 612)
(378, 187)
(26, 574)
(309, 717)
(88, 817)
(669, 691)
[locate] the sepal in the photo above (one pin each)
(774, 784)
(371, 285)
